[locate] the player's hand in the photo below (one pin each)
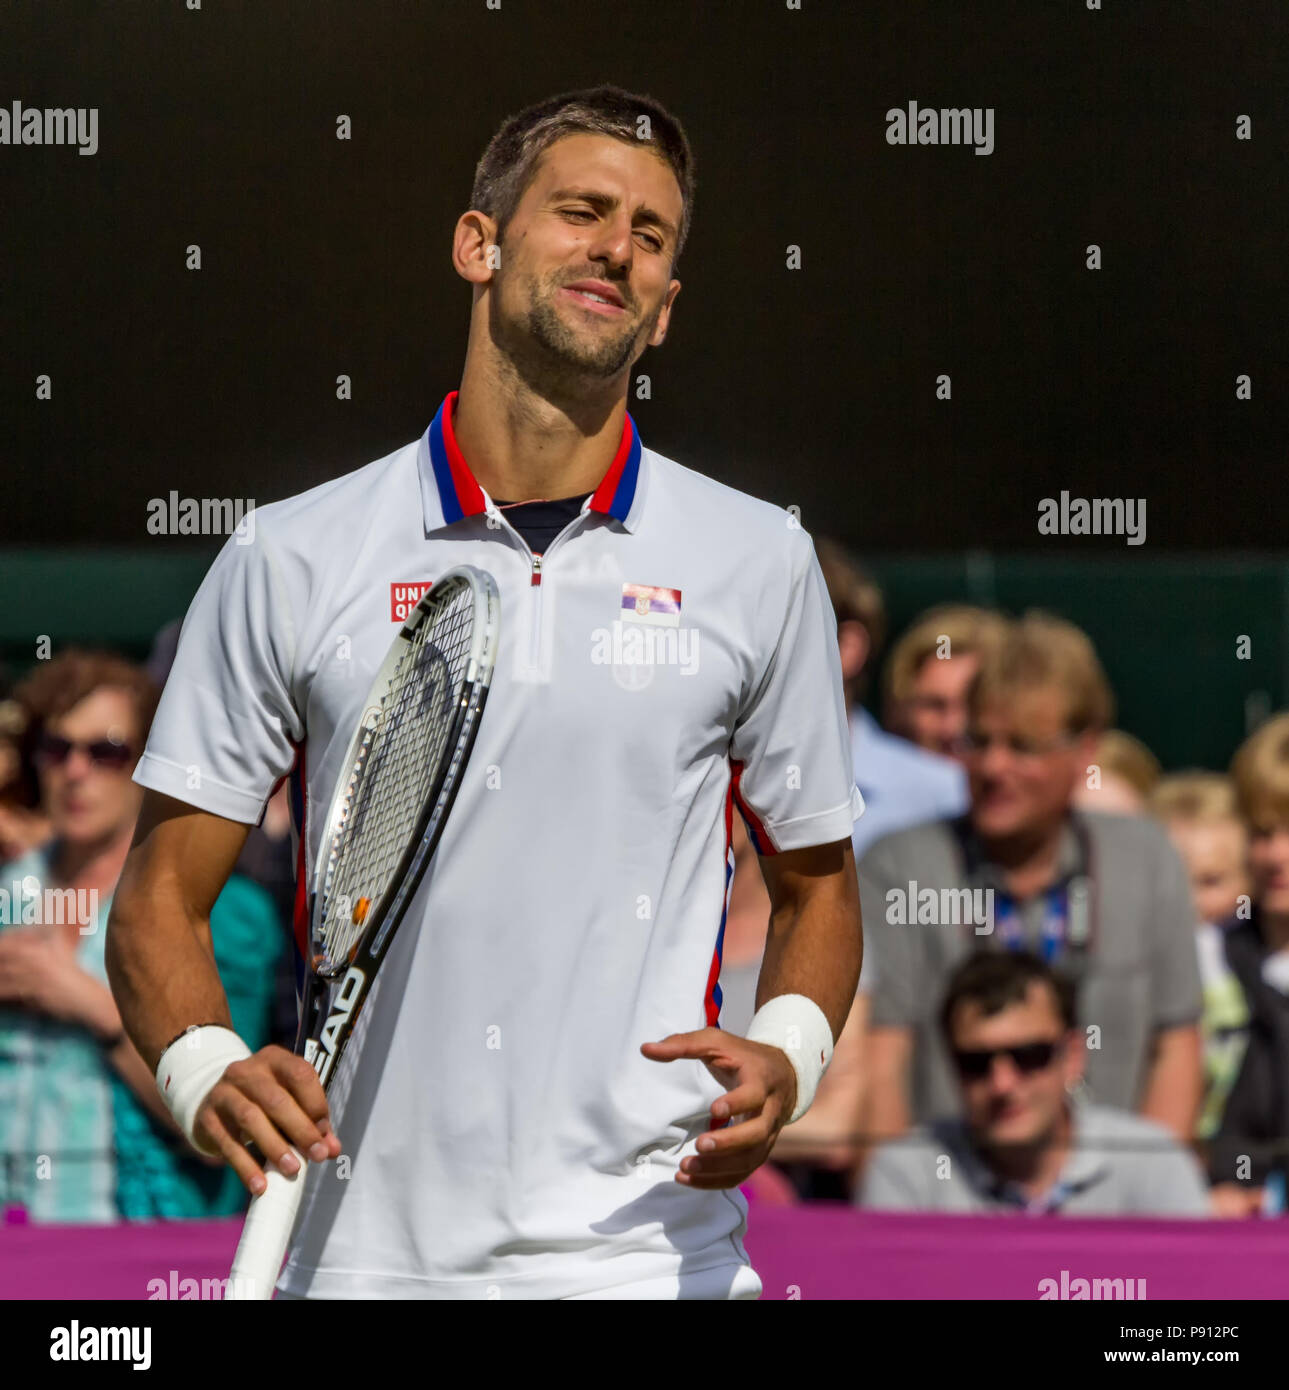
(275, 1100)
(761, 1093)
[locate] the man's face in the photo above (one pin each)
(1214, 853)
(1022, 763)
(1269, 866)
(87, 791)
(1008, 1103)
(935, 714)
(604, 216)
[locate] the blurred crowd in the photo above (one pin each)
(84, 1136)
(1075, 992)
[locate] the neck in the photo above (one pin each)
(92, 863)
(1034, 1167)
(1028, 858)
(524, 443)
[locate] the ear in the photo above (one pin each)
(664, 315)
(854, 645)
(475, 233)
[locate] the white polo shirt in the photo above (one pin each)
(671, 656)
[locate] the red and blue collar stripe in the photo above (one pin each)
(460, 494)
(617, 488)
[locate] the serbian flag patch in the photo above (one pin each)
(646, 603)
(404, 597)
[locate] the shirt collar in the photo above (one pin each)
(1071, 856)
(1084, 1166)
(450, 492)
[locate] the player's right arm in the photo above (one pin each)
(161, 966)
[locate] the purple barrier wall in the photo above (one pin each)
(816, 1251)
(832, 1251)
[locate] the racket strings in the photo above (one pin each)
(396, 770)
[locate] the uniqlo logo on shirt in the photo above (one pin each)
(404, 597)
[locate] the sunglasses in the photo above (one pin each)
(976, 741)
(53, 751)
(1025, 1057)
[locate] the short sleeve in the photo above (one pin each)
(226, 728)
(794, 783)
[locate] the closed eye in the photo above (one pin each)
(654, 240)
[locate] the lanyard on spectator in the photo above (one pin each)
(1047, 1202)
(1068, 907)
(1056, 916)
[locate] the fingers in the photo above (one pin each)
(710, 1171)
(729, 1156)
(752, 1132)
(746, 1099)
(297, 1077)
(703, 1042)
(753, 1114)
(275, 1100)
(234, 1153)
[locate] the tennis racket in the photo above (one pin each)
(395, 790)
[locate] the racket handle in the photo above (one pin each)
(266, 1236)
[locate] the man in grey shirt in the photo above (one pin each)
(1024, 1144)
(1104, 896)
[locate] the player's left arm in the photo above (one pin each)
(814, 948)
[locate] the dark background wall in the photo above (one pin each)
(815, 388)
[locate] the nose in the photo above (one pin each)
(1003, 1074)
(613, 246)
(993, 758)
(77, 763)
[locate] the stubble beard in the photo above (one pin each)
(545, 347)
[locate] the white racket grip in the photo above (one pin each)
(266, 1236)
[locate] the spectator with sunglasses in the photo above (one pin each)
(1103, 896)
(83, 1134)
(1026, 1143)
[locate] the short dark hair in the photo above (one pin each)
(508, 164)
(995, 979)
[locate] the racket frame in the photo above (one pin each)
(333, 1000)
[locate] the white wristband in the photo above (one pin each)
(190, 1066)
(797, 1025)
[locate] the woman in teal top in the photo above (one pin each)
(77, 1142)
(60, 1098)
(157, 1175)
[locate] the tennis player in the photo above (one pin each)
(541, 1102)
